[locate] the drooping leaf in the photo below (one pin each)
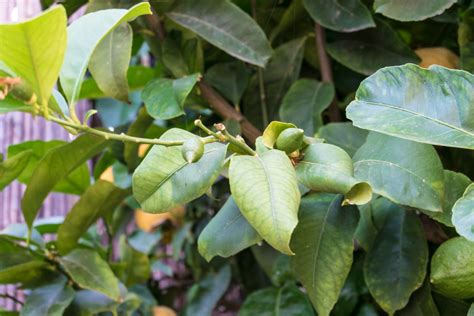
(421, 303)
(165, 180)
(395, 266)
(265, 189)
(109, 62)
(56, 165)
(305, 102)
(34, 50)
(324, 225)
(224, 25)
(451, 269)
(367, 51)
(203, 296)
(328, 168)
(137, 265)
(11, 168)
(227, 233)
(230, 79)
(341, 16)
(164, 98)
(286, 300)
(84, 35)
(91, 303)
(463, 214)
(425, 105)
(344, 135)
(74, 183)
(415, 171)
(97, 201)
(411, 10)
(90, 271)
(51, 299)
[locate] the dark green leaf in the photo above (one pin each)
(344, 135)
(411, 10)
(466, 40)
(341, 16)
(224, 25)
(138, 128)
(87, 303)
(137, 265)
(421, 303)
(227, 233)
(230, 79)
(11, 168)
(324, 225)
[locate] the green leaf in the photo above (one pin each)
(344, 135)
(286, 300)
(367, 51)
(11, 168)
(294, 13)
(425, 105)
(395, 266)
(452, 272)
(471, 310)
(90, 271)
(328, 168)
(165, 180)
(305, 102)
(463, 214)
(224, 25)
(164, 98)
(227, 233)
(109, 62)
(138, 128)
(324, 225)
(415, 171)
(34, 50)
(11, 104)
(466, 39)
(55, 166)
(74, 183)
(411, 10)
(454, 186)
(341, 16)
(84, 35)
(98, 200)
(137, 265)
(203, 296)
(51, 299)
(272, 131)
(421, 303)
(266, 191)
(88, 303)
(230, 79)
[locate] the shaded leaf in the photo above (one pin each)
(224, 25)
(411, 10)
(425, 105)
(421, 303)
(230, 79)
(415, 171)
(266, 191)
(11, 168)
(137, 265)
(324, 225)
(138, 128)
(227, 233)
(344, 135)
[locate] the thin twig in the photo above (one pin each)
(10, 297)
(326, 71)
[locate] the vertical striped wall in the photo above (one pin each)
(19, 127)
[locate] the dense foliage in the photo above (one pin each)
(251, 157)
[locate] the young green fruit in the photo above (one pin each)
(290, 140)
(192, 149)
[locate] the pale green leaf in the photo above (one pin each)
(11, 104)
(463, 214)
(97, 201)
(344, 135)
(34, 50)
(11, 168)
(272, 131)
(164, 179)
(425, 105)
(340, 15)
(84, 35)
(452, 271)
(224, 25)
(90, 271)
(395, 266)
(414, 170)
(324, 225)
(164, 98)
(266, 191)
(411, 10)
(227, 233)
(305, 102)
(109, 62)
(328, 168)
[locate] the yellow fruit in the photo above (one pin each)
(148, 221)
(163, 311)
(107, 175)
(437, 56)
(142, 149)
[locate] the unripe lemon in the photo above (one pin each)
(192, 149)
(290, 140)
